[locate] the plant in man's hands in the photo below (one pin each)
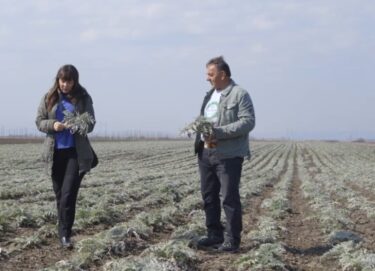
(199, 125)
(78, 123)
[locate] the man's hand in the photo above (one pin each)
(210, 140)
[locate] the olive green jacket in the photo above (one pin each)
(44, 122)
(236, 118)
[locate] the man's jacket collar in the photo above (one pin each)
(228, 89)
(224, 92)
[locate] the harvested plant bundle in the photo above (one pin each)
(78, 122)
(199, 125)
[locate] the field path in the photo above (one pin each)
(303, 240)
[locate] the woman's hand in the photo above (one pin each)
(58, 126)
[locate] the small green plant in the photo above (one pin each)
(90, 250)
(25, 220)
(29, 242)
(267, 231)
(3, 254)
(4, 224)
(169, 256)
(351, 256)
(266, 257)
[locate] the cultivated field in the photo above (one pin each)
(307, 206)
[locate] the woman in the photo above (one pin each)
(67, 151)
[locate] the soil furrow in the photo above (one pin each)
(304, 242)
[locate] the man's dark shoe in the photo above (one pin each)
(210, 240)
(229, 246)
(66, 243)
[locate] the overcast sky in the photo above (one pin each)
(308, 65)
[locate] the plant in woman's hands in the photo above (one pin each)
(78, 123)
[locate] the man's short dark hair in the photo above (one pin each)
(220, 64)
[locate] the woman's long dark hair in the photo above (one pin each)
(68, 73)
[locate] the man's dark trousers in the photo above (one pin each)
(221, 176)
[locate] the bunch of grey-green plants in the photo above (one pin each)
(78, 123)
(199, 125)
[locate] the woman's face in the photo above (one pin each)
(66, 86)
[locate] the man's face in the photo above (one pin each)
(215, 77)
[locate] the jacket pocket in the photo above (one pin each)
(229, 113)
(230, 106)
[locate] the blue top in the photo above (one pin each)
(64, 139)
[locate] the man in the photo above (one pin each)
(221, 154)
